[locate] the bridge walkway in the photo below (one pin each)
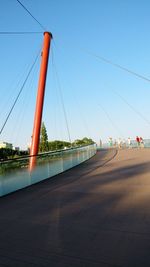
(96, 214)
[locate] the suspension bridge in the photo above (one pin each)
(80, 206)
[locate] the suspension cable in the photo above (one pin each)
(20, 91)
(118, 66)
(111, 121)
(18, 128)
(129, 71)
(61, 97)
(7, 33)
(31, 15)
(135, 110)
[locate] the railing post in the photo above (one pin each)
(40, 100)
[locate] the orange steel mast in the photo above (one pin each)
(40, 100)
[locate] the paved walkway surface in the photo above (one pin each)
(97, 214)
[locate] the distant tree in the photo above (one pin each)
(8, 153)
(23, 153)
(83, 142)
(5, 153)
(58, 145)
(43, 146)
(78, 142)
(87, 141)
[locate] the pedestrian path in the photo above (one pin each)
(96, 214)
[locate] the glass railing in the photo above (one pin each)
(15, 173)
(124, 144)
(146, 143)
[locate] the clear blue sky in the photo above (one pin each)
(117, 30)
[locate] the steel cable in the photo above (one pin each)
(31, 15)
(20, 91)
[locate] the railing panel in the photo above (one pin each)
(15, 174)
(146, 144)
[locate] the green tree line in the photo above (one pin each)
(7, 153)
(45, 145)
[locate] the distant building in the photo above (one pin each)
(6, 145)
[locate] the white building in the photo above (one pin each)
(6, 145)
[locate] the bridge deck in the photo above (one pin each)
(96, 214)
